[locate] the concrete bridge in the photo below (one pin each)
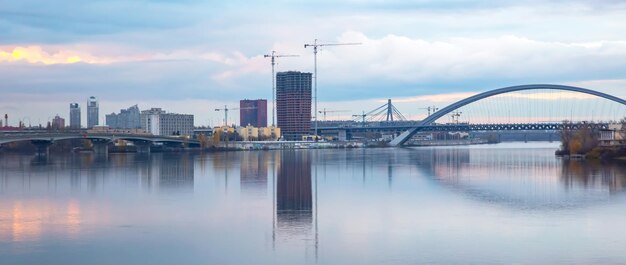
(143, 142)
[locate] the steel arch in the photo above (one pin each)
(401, 139)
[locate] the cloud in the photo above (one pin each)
(412, 66)
(412, 71)
(391, 58)
(615, 87)
(437, 98)
(255, 26)
(504, 57)
(416, 52)
(36, 55)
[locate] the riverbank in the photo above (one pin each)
(608, 152)
(598, 153)
(27, 148)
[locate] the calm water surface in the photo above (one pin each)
(509, 203)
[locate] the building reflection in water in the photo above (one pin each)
(167, 172)
(26, 216)
(295, 189)
(294, 200)
(512, 178)
(593, 174)
(253, 172)
(294, 197)
(223, 163)
(176, 172)
(81, 173)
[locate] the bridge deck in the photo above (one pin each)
(58, 136)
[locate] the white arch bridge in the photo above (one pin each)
(428, 123)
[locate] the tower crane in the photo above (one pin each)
(431, 109)
(315, 45)
(273, 55)
(455, 116)
(226, 109)
(324, 111)
(362, 116)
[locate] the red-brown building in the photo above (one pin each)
(293, 104)
(253, 112)
(58, 123)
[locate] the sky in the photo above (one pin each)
(192, 56)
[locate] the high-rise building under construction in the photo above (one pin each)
(293, 104)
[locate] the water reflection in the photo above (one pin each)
(294, 198)
(28, 220)
(521, 178)
(527, 178)
(407, 206)
(253, 172)
(86, 173)
(175, 172)
(223, 165)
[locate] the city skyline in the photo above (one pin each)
(526, 102)
(312, 132)
(424, 53)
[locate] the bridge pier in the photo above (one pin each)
(143, 147)
(100, 147)
(342, 135)
(43, 147)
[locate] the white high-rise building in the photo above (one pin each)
(158, 122)
(92, 112)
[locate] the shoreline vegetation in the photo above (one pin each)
(84, 146)
(585, 143)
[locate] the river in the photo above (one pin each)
(513, 203)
